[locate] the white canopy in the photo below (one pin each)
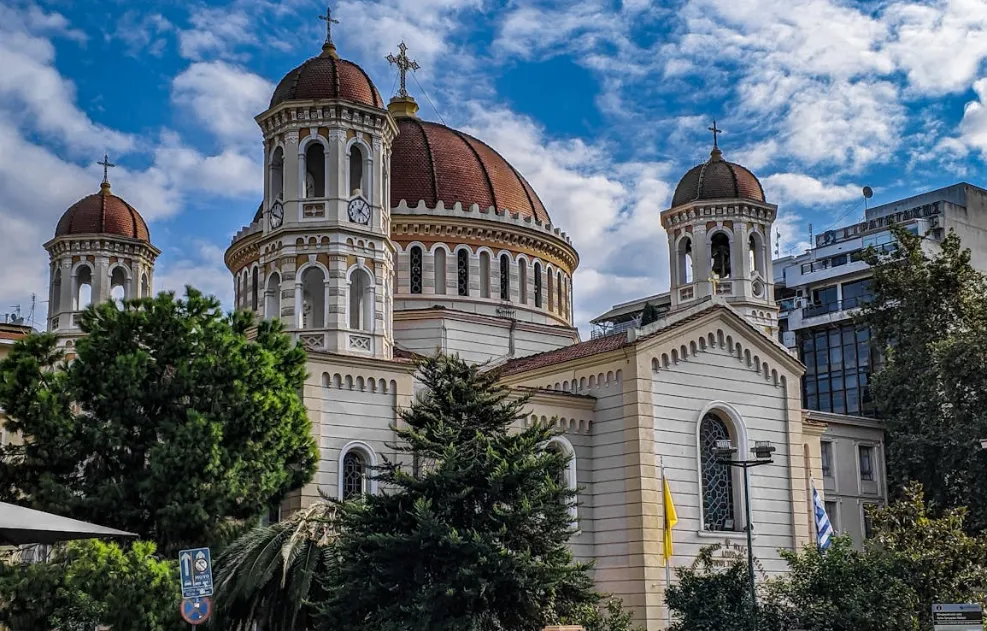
(19, 525)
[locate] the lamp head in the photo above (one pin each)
(762, 450)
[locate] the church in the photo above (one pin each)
(382, 236)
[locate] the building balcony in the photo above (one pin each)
(825, 313)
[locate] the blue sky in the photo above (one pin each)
(602, 104)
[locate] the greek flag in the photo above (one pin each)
(824, 528)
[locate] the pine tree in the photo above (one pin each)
(470, 532)
(650, 314)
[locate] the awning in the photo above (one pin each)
(19, 526)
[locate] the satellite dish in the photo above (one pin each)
(868, 192)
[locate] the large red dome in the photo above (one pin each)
(327, 77)
(103, 213)
(431, 163)
(717, 179)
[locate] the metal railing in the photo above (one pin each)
(835, 306)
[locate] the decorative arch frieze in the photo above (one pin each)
(706, 342)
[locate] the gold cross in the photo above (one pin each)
(107, 165)
(714, 279)
(329, 22)
(404, 65)
(715, 132)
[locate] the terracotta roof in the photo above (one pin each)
(9, 335)
(103, 213)
(328, 77)
(566, 353)
(431, 163)
(717, 179)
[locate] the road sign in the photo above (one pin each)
(196, 572)
(957, 618)
(196, 610)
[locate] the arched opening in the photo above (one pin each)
(685, 270)
(353, 475)
(538, 280)
(56, 292)
(415, 254)
(272, 296)
(558, 293)
(551, 294)
(439, 259)
(566, 475)
(463, 272)
(277, 174)
(522, 281)
(484, 275)
(719, 252)
(118, 285)
(755, 254)
(718, 484)
(83, 294)
(315, 170)
(145, 287)
(254, 289)
(356, 170)
(361, 287)
(313, 312)
(505, 277)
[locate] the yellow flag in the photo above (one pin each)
(670, 518)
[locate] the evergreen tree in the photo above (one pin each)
(169, 422)
(650, 314)
(471, 531)
(929, 317)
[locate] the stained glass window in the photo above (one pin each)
(463, 272)
(354, 475)
(718, 508)
(416, 270)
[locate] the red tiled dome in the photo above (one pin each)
(717, 179)
(103, 213)
(432, 162)
(327, 77)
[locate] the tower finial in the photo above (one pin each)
(107, 165)
(404, 65)
(329, 47)
(716, 132)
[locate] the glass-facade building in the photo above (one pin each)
(838, 366)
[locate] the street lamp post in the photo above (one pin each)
(762, 451)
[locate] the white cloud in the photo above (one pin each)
(142, 35)
(804, 190)
(973, 127)
(215, 32)
(224, 98)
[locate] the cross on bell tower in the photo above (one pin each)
(329, 20)
(404, 65)
(716, 132)
(107, 165)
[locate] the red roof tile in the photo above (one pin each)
(717, 179)
(564, 354)
(103, 213)
(327, 77)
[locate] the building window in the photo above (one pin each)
(439, 260)
(827, 458)
(856, 294)
(558, 293)
(361, 288)
(522, 281)
(315, 170)
(685, 261)
(837, 370)
(272, 297)
(566, 475)
(356, 171)
(254, 289)
(463, 272)
(416, 269)
(354, 475)
(717, 478)
(313, 289)
(831, 512)
(484, 275)
(537, 269)
(56, 292)
(719, 254)
(868, 526)
(83, 293)
(505, 277)
(277, 174)
(866, 462)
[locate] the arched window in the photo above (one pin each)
(551, 294)
(272, 296)
(717, 479)
(83, 294)
(315, 170)
(361, 301)
(522, 281)
(566, 475)
(277, 174)
(755, 253)
(505, 277)
(439, 260)
(719, 253)
(145, 287)
(463, 272)
(313, 312)
(56, 291)
(118, 285)
(484, 275)
(685, 261)
(254, 289)
(558, 293)
(354, 475)
(356, 170)
(537, 270)
(415, 254)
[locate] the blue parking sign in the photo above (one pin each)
(195, 567)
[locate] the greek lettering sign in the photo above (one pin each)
(957, 617)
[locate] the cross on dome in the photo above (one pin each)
(329, 20)
(107, 165)
(715, 133)
(404, 65)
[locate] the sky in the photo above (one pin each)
(601, 104)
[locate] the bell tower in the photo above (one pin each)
(719, 239)
(319, 254)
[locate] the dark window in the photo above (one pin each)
(356, 170)
(558, 292)
(837, 362)
(416, 270)
(354, 475)
(868, 527)
(538, 279)
(827, 459)
(505, 277)
(839, 260)
(463, 272)
(856, 294)
(833, 517)
(254, 289)
(719, 254)
(718, 507)
(866, 463)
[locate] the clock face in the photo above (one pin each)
(277, 215)
(359, 210)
